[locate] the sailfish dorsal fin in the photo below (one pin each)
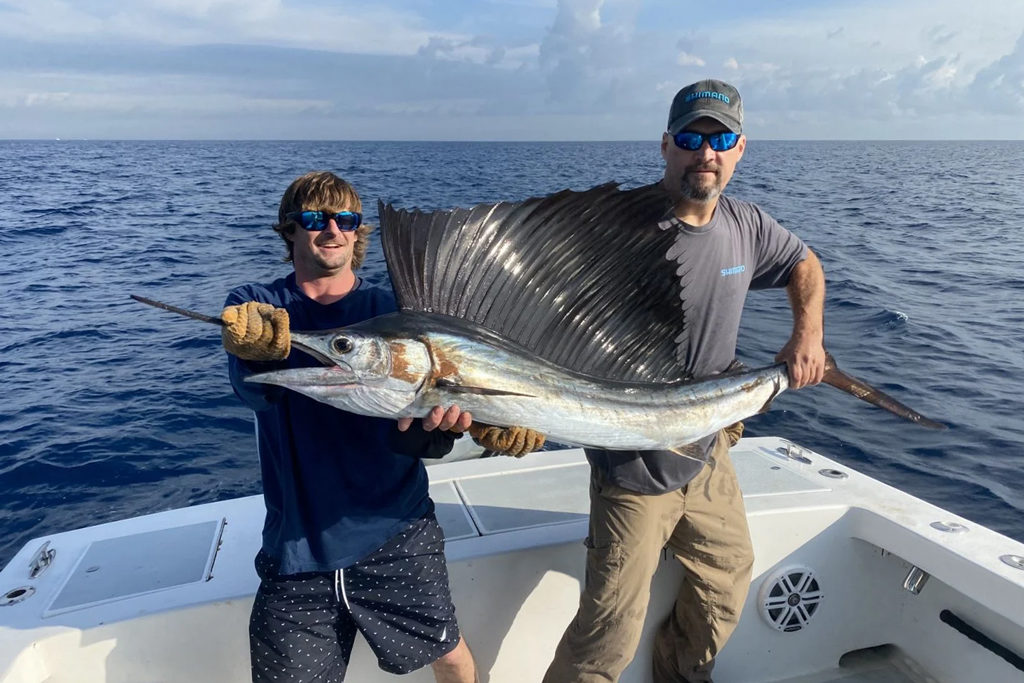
(579, 278)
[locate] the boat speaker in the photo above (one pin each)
(789, 598)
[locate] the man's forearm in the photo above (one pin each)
(804, 353)
(806, 290)
(417, 443)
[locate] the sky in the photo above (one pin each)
(505, 69)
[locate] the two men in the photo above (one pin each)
(644, 501)
(333, 512)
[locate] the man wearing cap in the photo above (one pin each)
(644, 501)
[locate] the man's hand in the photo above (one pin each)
(256, 331)
(805, 360)
(514, 441)
(451, 420)
(734, 433)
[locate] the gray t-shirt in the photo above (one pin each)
(741, 248)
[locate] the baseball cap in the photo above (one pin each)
(711, 98)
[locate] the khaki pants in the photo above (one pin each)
(705, 526)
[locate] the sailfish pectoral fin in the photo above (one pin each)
(456, 388)
(866, 392)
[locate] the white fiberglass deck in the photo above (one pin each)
(165, 597)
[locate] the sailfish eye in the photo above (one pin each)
(341, 345)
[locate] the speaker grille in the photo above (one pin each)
(789, 599)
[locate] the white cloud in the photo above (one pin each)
(586, 63)
(145, 101)
(999, 87)
(874, 69)
(574, 68)
(343, 27)
(236, 9)
(34, 99)
(878, 34)
(577, 17)
(686, 59)
(941, 77)
(480, 50)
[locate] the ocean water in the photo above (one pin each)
(111, 409)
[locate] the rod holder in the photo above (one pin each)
(915, 580)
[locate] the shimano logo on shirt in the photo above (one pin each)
(735, 270)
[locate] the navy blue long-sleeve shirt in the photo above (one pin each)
(336, 485)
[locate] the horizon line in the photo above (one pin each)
(504, 141)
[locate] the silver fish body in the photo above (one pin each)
(402, 365)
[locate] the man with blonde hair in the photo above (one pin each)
(350, 541)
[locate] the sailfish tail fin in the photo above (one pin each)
(866, 392)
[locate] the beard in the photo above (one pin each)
(697, 188)
(325, 261)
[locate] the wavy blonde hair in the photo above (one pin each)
(321, 191)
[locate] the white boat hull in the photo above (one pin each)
(166, 597)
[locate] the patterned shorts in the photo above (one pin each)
(303, 626)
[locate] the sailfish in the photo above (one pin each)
(543, 313)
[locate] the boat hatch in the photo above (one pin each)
(765, 475)
(451, 513)
(525, 499)
(126, 566)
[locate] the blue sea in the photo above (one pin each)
(111, 409)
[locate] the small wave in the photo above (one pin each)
(850, 307)
(81, 333)
(76, 210)
(884, 320)
(895, 318)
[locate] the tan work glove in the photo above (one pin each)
(514, 441)
(256, 331)
(734, 432)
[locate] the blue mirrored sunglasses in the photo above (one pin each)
(317, 220)
(691, 142)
